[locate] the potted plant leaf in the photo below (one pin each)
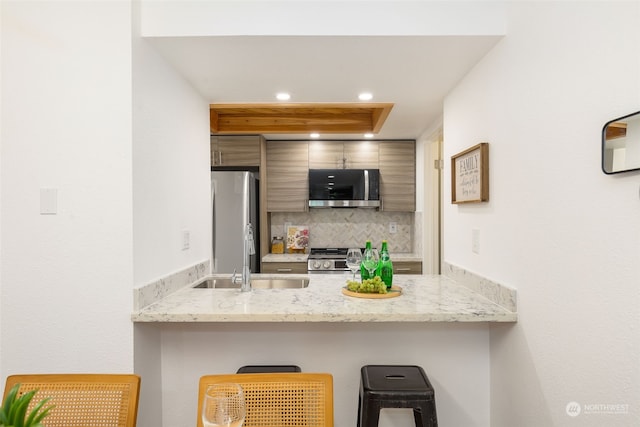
(13, 412)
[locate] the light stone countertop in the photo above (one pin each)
(425, 298)
(285, 258)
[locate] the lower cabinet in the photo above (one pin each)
(399, 267)
(407, 267)
(284, 267)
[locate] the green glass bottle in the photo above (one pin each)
(385, 266)
(364, 273)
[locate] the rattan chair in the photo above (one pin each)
(279, 399)
(81, 400)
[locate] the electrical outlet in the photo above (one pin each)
(186, 237)
(475, 241)
(393, 227)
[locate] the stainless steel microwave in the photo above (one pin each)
(344, 188)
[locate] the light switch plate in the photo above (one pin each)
(393, 227)
(186, 239)
(475, 241)
(48, 201)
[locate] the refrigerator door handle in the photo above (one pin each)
(366, 184)
(213, 226)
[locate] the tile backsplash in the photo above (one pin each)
(351, 227)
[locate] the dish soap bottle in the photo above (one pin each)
(385, 266)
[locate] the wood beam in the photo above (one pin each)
(299, 118)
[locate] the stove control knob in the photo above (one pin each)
(326, 264)
(316, 265)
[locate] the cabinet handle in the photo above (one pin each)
(403, 269)
(220, 157)
(284, 270)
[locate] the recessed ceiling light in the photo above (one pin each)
(368, 135)
(283, 96)
(365, 96)
(315, 135)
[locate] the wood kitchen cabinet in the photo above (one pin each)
(235, 150)
(287, 176)
(343, 155)
(398, 175)
(284, 267)
(407, 267)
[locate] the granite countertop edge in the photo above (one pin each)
(425, 298)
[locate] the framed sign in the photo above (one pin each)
(470, 175)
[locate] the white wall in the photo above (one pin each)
(320, 17)
(556, 228)
(171, 168)
(1, 370)
(66, 124)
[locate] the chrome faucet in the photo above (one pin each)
(249, 249)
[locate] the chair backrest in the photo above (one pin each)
(80, 400)
(279, 399)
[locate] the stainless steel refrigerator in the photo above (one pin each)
(235, 196)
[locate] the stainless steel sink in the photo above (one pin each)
(218, 283)
(280, 283)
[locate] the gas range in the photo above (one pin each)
(327, 260)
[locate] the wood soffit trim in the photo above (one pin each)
(269, 118)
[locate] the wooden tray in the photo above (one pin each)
(395, 291)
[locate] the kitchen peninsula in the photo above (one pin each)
(424, 298)
(441, 323)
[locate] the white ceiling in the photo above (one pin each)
(413, 72)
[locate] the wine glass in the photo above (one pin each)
(223, 406)
(370, 261)
(354, 258)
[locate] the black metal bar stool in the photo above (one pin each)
(396, 386)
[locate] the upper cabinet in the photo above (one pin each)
(343, 155)
(287, 176)
(235, 150)
(398, 175)
(288, 164)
